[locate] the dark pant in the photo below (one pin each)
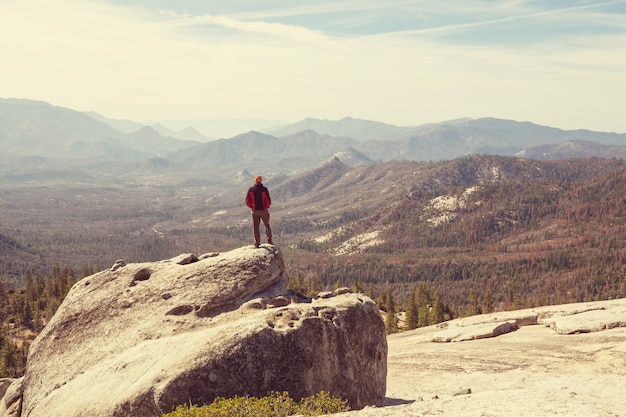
(257, 216)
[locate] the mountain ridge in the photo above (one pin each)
(40, 129)
(573, 149)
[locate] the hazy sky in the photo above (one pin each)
(558, 63)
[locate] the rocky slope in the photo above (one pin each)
(566, 360)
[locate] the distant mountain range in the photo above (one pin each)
(346, 127)
(129, 126)
(63, 137)
(33, 128)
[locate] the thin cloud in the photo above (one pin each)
(289, 33)
(316, 9)
(504, 19)
(125, 62)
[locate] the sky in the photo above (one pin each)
(557, 63)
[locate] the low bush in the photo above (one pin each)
(275, 404)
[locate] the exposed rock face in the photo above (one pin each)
(10, 397)
(559, 361)
(139, 339)
(563, 319)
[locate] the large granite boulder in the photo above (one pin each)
(139, 339)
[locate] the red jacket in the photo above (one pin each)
(258, 197)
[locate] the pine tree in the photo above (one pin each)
(370, 290)
(518, 302)
(86, 270)
(437, 310)
(423, 316)
(8, 360)
(313, 286)
(488, 302)
(391, 322)
(27, 317)
(297, 285)
(472, 301)
(411, 312)
(29, 289)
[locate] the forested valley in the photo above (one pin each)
(512, 245)
(537, 233)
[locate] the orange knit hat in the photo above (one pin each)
(258, 178)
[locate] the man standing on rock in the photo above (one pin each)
(259, 201)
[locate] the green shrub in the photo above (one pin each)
(275, 404)
(321, 403)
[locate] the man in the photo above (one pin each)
(259, 201)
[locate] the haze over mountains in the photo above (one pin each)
(39, 136)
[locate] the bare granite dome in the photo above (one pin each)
(564, 360)
(139, 339)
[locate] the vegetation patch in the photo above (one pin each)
(275, 404)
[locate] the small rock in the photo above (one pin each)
(465, 391)
(185, 259)
(118, 264)
(342, 290)
(256, 304)
(280, 301)
(325, 294)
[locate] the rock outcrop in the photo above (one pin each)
(560, 361)
(563, 319)
(139, 339)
